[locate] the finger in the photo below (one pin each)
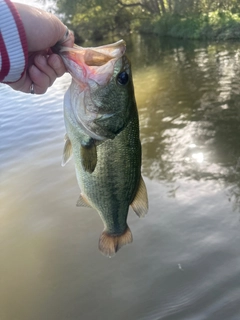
(40, 80)
(56, 63)
(41, 63)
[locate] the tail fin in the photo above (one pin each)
(109, 244)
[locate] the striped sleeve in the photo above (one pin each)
(13, 43)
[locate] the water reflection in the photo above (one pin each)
(188, 97)
(183, 263)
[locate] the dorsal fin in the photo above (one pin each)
(83, 202)
(140, 202)
(67, 151)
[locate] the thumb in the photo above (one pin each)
(43, 29)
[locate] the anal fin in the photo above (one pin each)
(83, 202)
(140, 202)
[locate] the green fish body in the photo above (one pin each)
(102, 127)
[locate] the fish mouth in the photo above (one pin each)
(92, 64)
(91, 69)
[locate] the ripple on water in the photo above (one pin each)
(183, 263)
(29, 122)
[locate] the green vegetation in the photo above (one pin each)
(217, 25)
(194, 19)
(95, 19)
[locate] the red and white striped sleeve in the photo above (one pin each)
(13, 43)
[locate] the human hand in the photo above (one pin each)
(43, 30)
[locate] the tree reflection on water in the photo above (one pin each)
(188, 97)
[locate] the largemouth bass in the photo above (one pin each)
(102, 127)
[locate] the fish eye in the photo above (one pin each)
(122, 78)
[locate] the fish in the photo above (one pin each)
(102, 136)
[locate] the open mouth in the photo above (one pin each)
(97, 56)
(95, 64)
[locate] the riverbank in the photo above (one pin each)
(218, 25)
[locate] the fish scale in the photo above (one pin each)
(117, 172)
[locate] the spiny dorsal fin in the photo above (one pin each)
(67, 151)
(83, 202)
(109, 243)
(140, 202)
(88, 156)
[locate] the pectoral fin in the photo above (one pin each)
(83, 202)
(140, 202)
(88, 156)
(67, 151)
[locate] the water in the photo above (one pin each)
(184, 261)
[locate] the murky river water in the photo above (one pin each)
(184, 263)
